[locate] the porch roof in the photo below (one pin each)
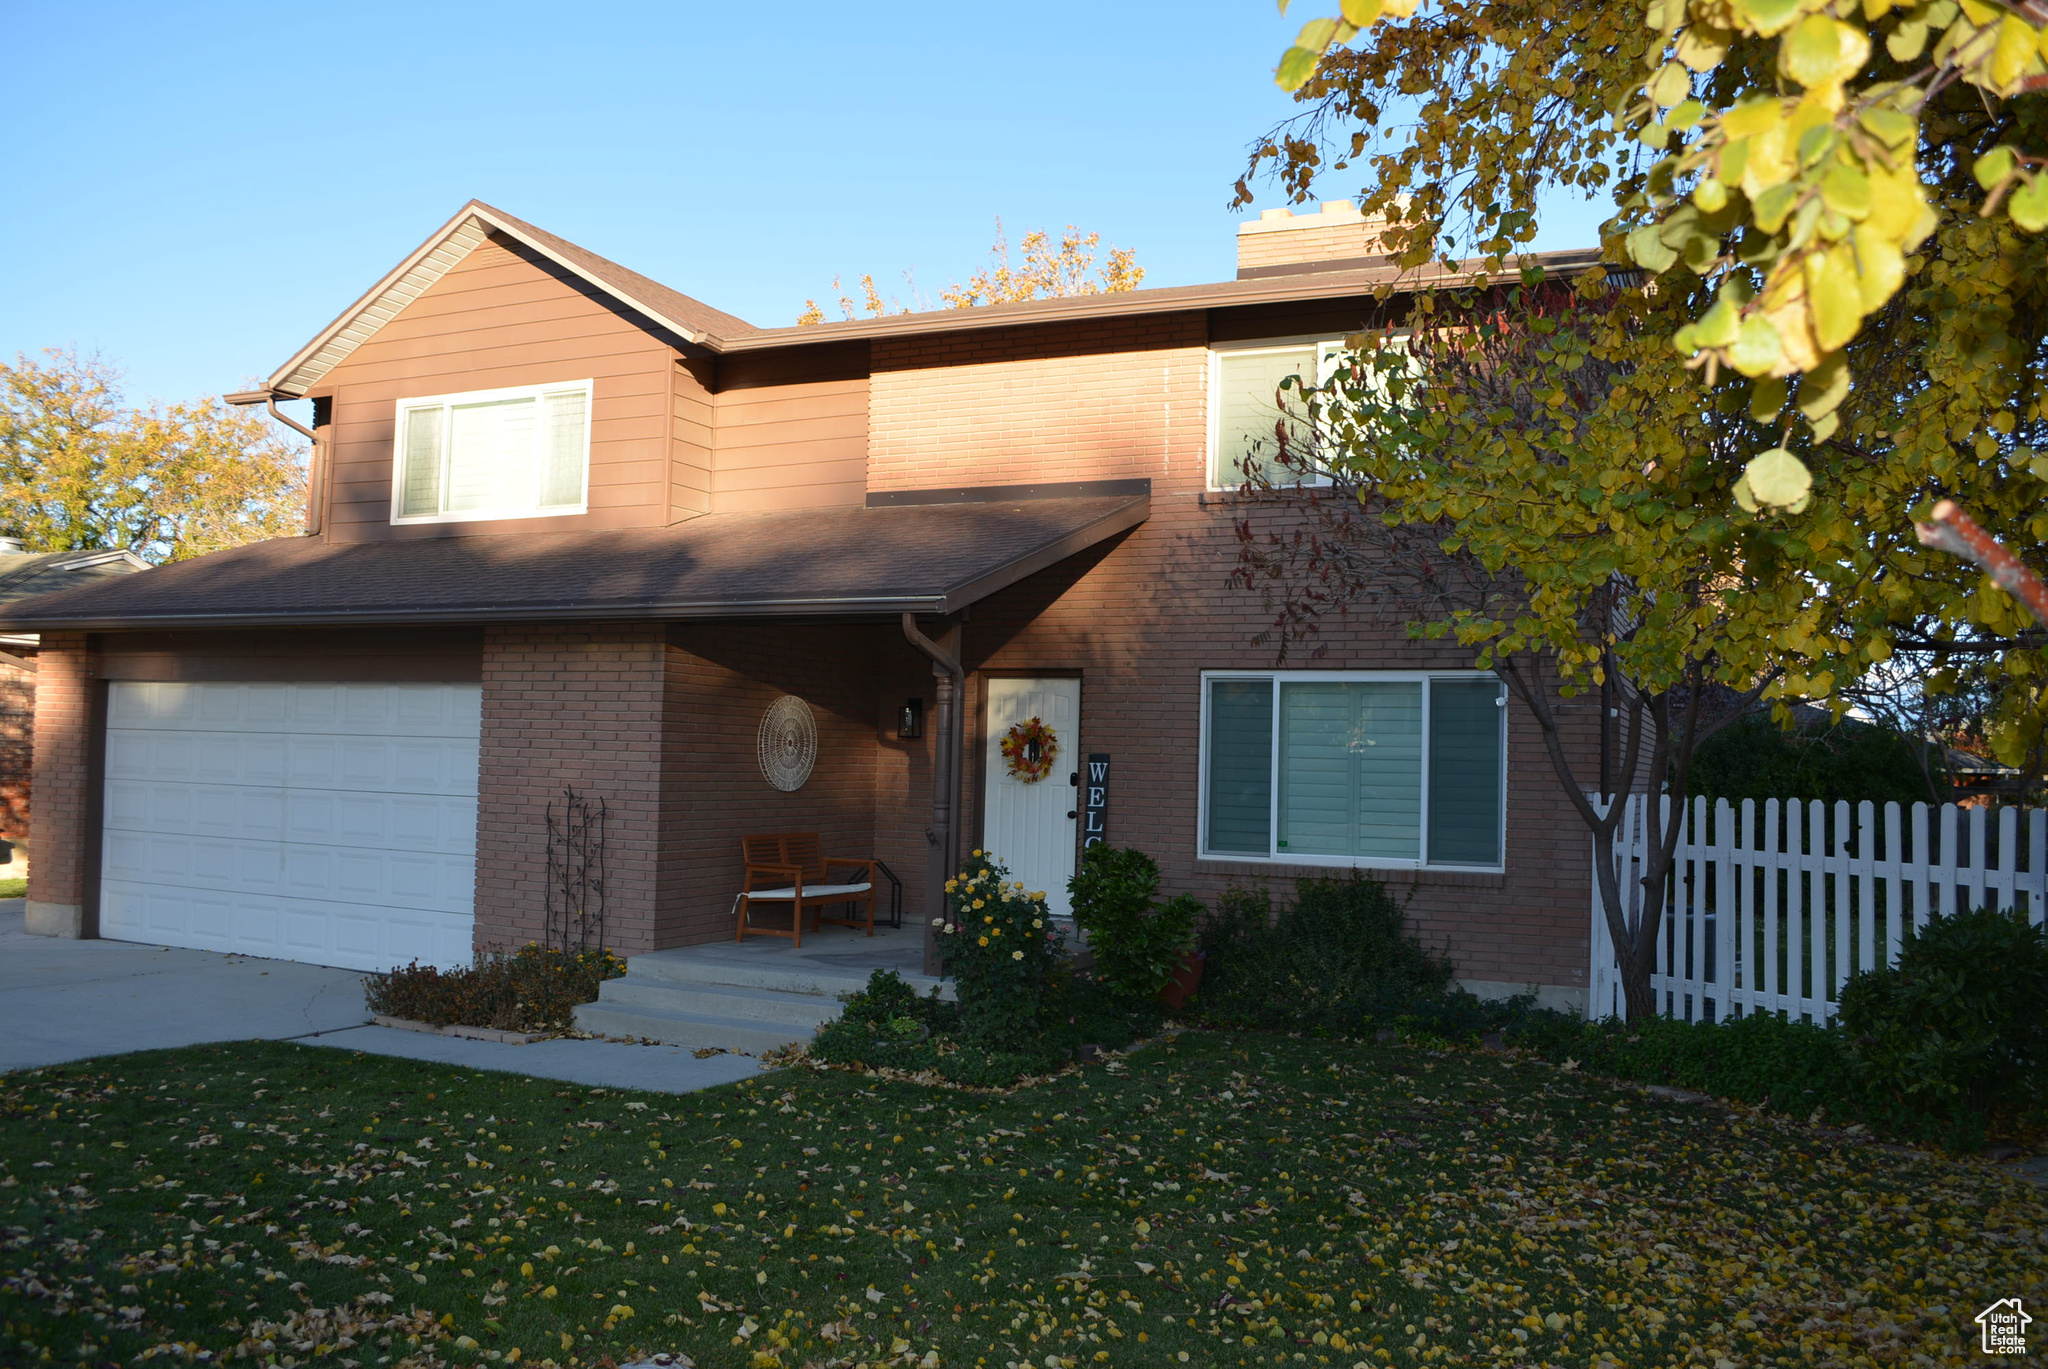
(892, 557)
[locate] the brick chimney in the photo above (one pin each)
(1281, 242)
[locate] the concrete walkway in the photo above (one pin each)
(72, 1000)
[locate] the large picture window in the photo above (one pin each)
(1329, 768)
(492, 454)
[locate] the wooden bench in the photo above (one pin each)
(791, 867)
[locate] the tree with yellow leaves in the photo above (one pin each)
(1046, 272)
(81, 469)
(1822, 316)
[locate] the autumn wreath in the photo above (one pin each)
(1029, 749)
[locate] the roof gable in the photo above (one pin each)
(690, 319)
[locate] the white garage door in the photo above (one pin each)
(330, 823)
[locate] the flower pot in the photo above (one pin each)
(1187, 977)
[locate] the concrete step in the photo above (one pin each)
(798, 1010)
(692, 965)
(745, 1035)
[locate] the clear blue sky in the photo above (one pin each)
(195, 190)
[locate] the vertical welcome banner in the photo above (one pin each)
(1095, 801)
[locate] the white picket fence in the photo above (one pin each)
(1772, 907)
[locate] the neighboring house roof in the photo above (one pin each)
(39, 572)
(26, 573)
(717, 331)
(929, 558)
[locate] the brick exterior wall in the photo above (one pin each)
(1141, 620)
(576, 707)
(1108, 400)
(65, 741)
(17, 750)
(722, 678)
(663, 725)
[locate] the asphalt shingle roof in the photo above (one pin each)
(919, 558)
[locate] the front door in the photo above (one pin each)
(1028, 822)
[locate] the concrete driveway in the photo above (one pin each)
(68, 1000)
(72, 1000)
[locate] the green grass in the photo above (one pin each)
(14, 888)
(1237, 1200)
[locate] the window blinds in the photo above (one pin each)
(1397, 770)
(494, 457)
(1351, 770)
(1464, 772)
(1241, 766)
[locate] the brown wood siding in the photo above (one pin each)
(495, 321)
(791, 445)
(692, 419)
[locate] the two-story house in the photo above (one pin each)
(571, 529)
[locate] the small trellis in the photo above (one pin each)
(576, 881)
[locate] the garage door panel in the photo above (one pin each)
(331, 823)
(322, 931)
(383, 879)
(383, 765)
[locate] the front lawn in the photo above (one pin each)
(1232, 1200)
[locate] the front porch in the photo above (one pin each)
(755, 995)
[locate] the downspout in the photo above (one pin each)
(315, 512)
(950, 684)
(281, 416)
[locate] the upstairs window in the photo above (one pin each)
(1246, 419)
(492, 454)
(1246, 422)
(1380, 768)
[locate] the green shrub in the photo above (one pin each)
(1762, 1059)
(1754, 758)
(1338, 956)
(1138, 943)
(1960, 1022)
(887, 1026)
(1000, 950)
(533, 989)
(887, 998)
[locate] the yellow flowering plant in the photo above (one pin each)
(1000, 950)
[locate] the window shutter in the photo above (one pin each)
(1241, 766)
(490, 456)
(1247, 415)
(1351, 770)
(1465, 739)
(420, 489)
(563, 448)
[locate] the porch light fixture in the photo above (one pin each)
(910, 720)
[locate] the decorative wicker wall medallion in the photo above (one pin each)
(789, 743)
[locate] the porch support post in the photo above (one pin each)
(949, 684)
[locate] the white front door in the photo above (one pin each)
(330, 823)
(1029, 825)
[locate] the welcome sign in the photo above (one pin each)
(1095, 801)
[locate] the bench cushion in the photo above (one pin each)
(811, 891)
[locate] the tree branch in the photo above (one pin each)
(1956, 533)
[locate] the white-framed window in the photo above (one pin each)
(518, 453)
(1245, 422)
(1400, 769)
